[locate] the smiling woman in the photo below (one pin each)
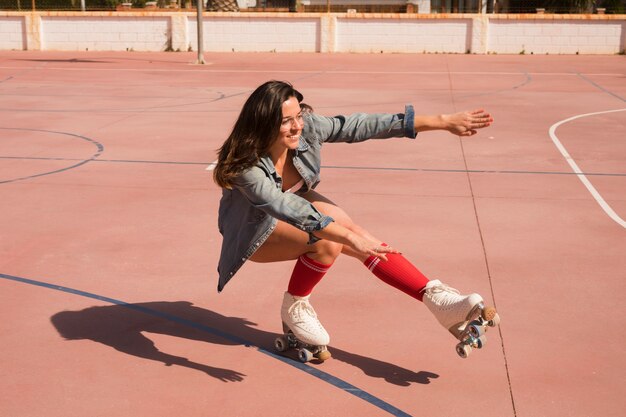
(269, 167)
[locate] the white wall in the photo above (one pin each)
(12, 33)
(403, 35)
(245, 34)
(556, 37)
(105, 33)
(315, 32)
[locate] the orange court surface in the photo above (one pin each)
(110, 244)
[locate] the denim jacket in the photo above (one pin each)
(248, 213)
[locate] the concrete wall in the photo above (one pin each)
(557, 36)
(12, 33)
(243, 33)
(403, 35)
(315, 32)
(105, 33)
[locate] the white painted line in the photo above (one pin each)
(605, 206)
(211, 166)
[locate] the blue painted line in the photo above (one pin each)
(99, 150)
(504, 90)
(346, 167)
(330, 379)
(598, 86)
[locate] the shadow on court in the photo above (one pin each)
(124, 327)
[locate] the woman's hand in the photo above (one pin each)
(369, 247)
(467, 122)
(356, 242)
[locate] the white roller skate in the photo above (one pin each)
(465, 316)
(302, 330)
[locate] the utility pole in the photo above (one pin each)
(200, 33)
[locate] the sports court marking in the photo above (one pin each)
(581, 176)
(97, 153)
(210, 166)
(598, 86)
(328, 378)
(303, 71)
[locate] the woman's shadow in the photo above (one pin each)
(124, 327)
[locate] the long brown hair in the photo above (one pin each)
(254, 131)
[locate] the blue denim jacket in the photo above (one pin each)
(248, 212)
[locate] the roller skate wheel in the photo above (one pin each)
(463, 350)
(476, 329)
(304, 355)
(495, 321)
(323, 355)
(281, 344)
(481, 341)
(488, 313)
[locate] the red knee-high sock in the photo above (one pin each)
(399, 273)
(305, 276)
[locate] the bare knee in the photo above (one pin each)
(325, 251)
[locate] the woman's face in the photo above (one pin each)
(291, 124)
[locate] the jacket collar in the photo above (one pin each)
(302, 145)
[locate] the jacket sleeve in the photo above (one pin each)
(264, 194)
(359, 127)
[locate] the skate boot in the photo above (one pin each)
(465, 316)
(302, 330)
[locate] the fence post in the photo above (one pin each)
(479, 43)
(33, 31)
(179, 41)
(328, 35)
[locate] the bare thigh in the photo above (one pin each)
(288, 242)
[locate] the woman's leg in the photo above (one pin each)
(448, 306)
(397, 271)
(286, 243)
(313, 261)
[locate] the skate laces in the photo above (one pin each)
(302, 307)
(441, 287)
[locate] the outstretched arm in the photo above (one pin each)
(465, 123)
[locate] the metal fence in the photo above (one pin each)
(437, 6)
(96, 5)
(561, 6)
